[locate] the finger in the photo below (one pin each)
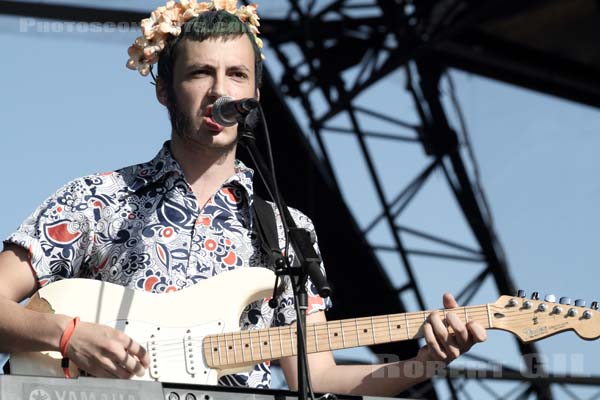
(449, 301)
(116, 369)
(432, 342)
(446, 340)
(140, 352)
(439, 328)
(461, 333)
(477, 332)
(133, 365)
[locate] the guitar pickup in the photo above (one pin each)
(191, 356)
(152, 347)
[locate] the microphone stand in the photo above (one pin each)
(307, 261)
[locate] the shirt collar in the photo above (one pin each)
(243, 177)
(163, 164)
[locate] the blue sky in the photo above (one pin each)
(70, 108)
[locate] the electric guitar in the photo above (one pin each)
(193, 336)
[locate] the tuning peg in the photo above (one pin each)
(572, 312)
(550, 298)
(520, 293)
(535, 296)
(579, 303)
(594, 305)
(565, 300)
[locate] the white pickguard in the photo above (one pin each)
(171, 326)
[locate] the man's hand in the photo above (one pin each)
(106, 352)
(444, 346)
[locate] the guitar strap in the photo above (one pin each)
(266, 227)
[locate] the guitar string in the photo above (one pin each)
(364, 322)
(274, 335)
(237, 339)
(237, 342)
(321, 328)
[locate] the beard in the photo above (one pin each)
(183, 126)
(180, 122)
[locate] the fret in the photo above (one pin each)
(316, 338)
(373, 331)
(262, 357)
(323, 341)
(337, 329)
(389, 327)
(219, 350)
(406, 323)
(487, 306)
(242, 346)
(270, 343)
(466, 315)
(226, 349)
(280, 341)
(356, 329)
(234, 350)
(251, 346)
(212, 353)
(343, 335)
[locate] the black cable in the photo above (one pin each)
(277, 200)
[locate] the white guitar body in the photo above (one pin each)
(175, 344)
(193, 336)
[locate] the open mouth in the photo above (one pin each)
(208, 111)
(210, 122)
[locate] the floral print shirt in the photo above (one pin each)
(141, 227)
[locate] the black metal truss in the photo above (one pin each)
(332, 42)
(392, 36)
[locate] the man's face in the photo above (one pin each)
(203, 72)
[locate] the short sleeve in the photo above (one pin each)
(285, 313)
(57, 234)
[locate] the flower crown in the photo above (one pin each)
(168, 19)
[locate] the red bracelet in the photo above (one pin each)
(64, 343)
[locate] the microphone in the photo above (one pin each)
(228, 112)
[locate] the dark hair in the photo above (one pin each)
(210, 24)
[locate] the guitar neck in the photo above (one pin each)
(255, 346)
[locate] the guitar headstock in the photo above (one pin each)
(533, 319)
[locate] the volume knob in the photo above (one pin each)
(579, 303)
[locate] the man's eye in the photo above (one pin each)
(241, 75)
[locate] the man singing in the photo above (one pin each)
(181, 218)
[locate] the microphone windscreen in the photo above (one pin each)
(251, 121)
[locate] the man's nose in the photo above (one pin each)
(217, 89)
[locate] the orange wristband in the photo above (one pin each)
(64, 343)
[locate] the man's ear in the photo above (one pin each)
(161, 92)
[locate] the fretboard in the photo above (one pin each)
(254, 346)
